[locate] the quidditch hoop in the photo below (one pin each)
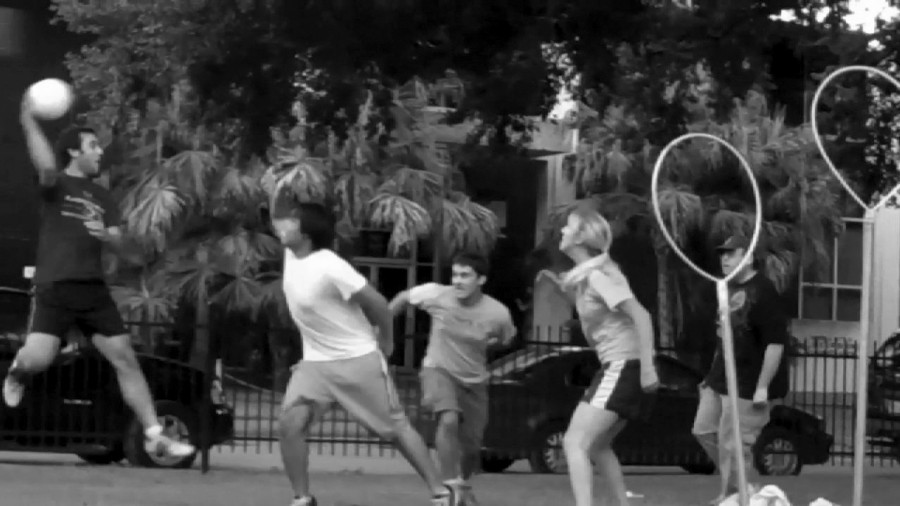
(757, 224)
(818, 139)
(862, 372)
(721, 291)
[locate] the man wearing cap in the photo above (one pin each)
(760, 332)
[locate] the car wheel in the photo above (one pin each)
(549, 457)
(103, 459)
(777, 453)
(702, 468)
(178, 423)
(493, 464)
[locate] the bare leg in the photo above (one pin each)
(608, 464)
(136, 392)
(706, 430)
(35, 356)
(413, 448)
(294, 425)
(588, 427)
(118, 350)
(447, 443)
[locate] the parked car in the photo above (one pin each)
(883, 409)
(534, 391)
(76, 406)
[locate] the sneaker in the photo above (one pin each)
(305, 501)
(162, 445)
(13, 391)
(453, 496)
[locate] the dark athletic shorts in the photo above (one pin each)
(617, 387)
(86, 305)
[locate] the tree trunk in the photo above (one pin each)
(664, 302)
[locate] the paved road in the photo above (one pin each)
(255, 480)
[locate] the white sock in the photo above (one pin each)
(154, 431)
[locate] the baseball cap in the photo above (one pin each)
(734, 242)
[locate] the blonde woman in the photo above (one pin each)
(621, 331)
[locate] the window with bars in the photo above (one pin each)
(838, 295)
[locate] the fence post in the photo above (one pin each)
(209, 373)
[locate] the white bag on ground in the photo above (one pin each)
(822, 502)
(770, 495)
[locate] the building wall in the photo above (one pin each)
(30, 49)
(550, 309)
(829, 336)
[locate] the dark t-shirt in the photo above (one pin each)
(66, 251)
(757, 320)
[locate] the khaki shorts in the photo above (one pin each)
(361, 385)
(714, 417)
(442, 392)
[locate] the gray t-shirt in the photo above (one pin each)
(599, 288)
(460, 334)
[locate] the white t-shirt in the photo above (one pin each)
(317, 289)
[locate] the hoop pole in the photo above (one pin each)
(862, 367)
(722, 298)
(731, 383)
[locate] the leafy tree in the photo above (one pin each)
(249, 61)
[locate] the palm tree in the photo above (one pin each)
(193, 210)
(192, 216)
(399, 186)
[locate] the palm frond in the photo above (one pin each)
(682, 211)
(152, 209)
(236, 186)
(192, 173)
(241, 294)
(418, 185)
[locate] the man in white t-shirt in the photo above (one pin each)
(464, 324)
(343, 362)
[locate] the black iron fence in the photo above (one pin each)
(233, 406)
(535, 388)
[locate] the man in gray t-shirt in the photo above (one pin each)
(464, 324)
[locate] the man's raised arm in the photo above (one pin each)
(39, 148)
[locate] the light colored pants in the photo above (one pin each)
(712, 428)
(362, 385)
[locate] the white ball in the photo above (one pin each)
(50, 98)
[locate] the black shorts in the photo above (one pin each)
(85, 305)
(617, 387)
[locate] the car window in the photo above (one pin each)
(527, 359)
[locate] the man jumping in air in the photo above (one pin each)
(464, 324)
(344, 358)
(78, 217)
